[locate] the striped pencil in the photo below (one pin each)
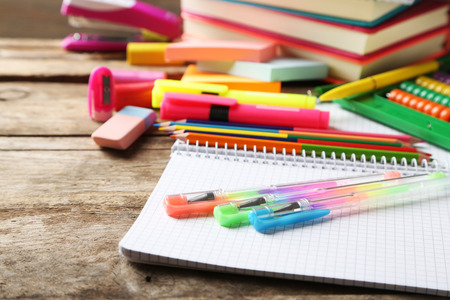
(311, 141)
(401, 137)
(289, 147)
(289, 134)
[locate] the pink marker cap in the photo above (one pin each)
(101, 96)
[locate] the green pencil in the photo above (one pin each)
(259, 143)
(344, 140)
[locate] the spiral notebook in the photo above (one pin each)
(404, 247)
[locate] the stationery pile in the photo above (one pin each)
(248, 154)
(332, 220)
(330, 143)
(354, 38)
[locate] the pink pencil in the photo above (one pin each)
(401, 137)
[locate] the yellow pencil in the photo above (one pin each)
(222, 130)
(383, 79)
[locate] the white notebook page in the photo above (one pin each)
(402, 247)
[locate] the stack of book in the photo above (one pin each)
(355, 38)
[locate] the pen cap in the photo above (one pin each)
(132, 76)
(228, 214)
(101, 96)
(262, 223)
(195, 202)
(136, 94)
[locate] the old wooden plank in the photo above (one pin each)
(72, 253)
(45, 109)
(38, 108)
(151, 140)
(41, 60)
(51, 177)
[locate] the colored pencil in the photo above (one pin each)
(289, 147)
(166, 124)
(180, 125)
(401, 137)
(218, 123)
(287, 134)
(309, 141)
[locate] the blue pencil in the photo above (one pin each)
(204, 123)
(294, 140)
(239, 124)
(168, 124)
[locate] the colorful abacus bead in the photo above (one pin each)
(420, 104)
(433, 85)
(442, 77)
(422, 92)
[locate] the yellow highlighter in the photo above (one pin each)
(383, 79)
(245, 97)
(171, 85)
(148, 54)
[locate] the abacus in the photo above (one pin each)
(419, 106)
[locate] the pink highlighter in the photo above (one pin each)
(125, 127)
(111, 90)
(177, 106)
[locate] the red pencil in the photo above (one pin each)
(355, 145)
(314, 142)
(401, 137)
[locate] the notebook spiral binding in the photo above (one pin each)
(302, 160)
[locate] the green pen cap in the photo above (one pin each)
(229, 214)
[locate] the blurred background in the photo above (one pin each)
(42, 19)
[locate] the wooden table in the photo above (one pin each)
(66, 203)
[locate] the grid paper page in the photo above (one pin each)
(402, 247)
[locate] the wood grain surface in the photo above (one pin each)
(66, 203)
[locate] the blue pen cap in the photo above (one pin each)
(261, 219)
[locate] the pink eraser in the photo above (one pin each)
(196, 50)
(125, 127)
(101, 96)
